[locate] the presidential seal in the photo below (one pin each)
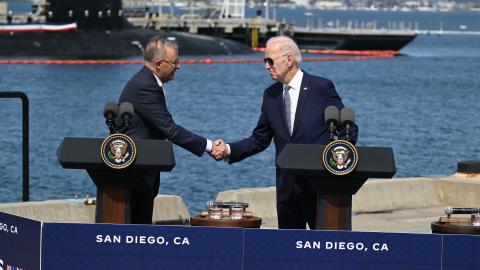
(118, 151)
(340, 157)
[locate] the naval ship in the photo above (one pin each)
(93, 29)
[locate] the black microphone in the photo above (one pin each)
(331, 119)
(126, 112)
(347, 118)
(110, 111)
(465, 210)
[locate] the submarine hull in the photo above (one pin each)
(111, 44)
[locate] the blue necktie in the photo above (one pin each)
(287, 108)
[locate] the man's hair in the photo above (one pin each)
(287, 45)
(156, 48)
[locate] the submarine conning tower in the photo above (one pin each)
(88, 14)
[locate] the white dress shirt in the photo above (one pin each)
(294, 93)
(208, 148)
(159, 82)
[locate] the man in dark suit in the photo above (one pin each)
(152, 120)
(292, 112)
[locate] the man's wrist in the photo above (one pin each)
(208, 148)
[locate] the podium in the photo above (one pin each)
(334, 193)
(114, 185)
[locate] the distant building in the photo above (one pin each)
(303, 3)
(3, 8)
(329, 4)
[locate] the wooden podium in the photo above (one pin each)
(334, 193)
(114, 185)
(455, 225)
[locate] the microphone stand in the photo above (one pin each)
(331, 130)
(347, 132)
(110, 121)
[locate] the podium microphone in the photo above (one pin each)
(347, 118)
(331, 119)
(126, 112)
(110, 111)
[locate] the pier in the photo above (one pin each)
(442, 32)
(390, 205)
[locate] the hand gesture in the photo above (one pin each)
(218, 149)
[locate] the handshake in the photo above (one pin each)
(219, 150)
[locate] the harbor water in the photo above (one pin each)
(424, 104)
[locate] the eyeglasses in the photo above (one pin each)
(174, 63)
(270, 61)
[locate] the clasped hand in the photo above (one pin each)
(219, 150)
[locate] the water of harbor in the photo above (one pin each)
(424, 104)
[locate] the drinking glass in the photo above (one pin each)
(476, 219)
(236, 210)
(215, 210)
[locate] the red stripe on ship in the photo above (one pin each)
(36, 28)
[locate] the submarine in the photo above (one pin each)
(96, 29)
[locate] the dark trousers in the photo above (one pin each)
(142, 197)
(297, 212)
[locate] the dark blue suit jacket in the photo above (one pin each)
(152, 120)
(316, 94)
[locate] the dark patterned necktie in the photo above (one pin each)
(287, 108)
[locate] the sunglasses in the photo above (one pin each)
(270, 61)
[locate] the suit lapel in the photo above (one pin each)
(302, 100)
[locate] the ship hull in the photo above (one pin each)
(111, 44)
(352, 41)
(307, 39)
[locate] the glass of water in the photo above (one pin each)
(476, 219)
(236, 210)
(215, 210)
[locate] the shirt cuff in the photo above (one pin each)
(228, 150)
(227, 153)
(208, 149)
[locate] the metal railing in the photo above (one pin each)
(25, 161)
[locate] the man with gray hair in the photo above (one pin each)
(292, 112)
(152, 120)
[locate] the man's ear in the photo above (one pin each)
(289, 60)
(157, 65)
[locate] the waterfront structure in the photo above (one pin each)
(229, 22)
(379, 206)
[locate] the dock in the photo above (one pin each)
(447, 32)
(407, 205)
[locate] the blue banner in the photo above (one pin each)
(19, 243)
(296, 249)
(107, 246)
(460, 252)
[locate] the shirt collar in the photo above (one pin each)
(158, 80)
(296, 81)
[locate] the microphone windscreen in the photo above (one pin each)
(331, 113)
(110, 108)
(126, 108)
(448, 210)
(347, 114)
